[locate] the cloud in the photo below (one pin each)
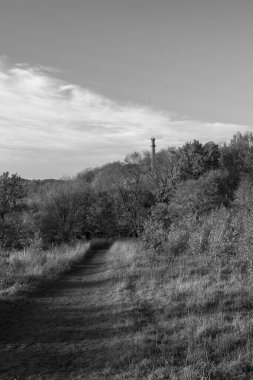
(49, 127)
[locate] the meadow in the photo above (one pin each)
(185, 308)
(192, 308)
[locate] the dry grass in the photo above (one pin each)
(188, 322)
(22, 270)
(156, 318)
(171, 319)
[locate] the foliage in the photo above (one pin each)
(166, 175)
(200, 196)
(196, 159)
(16, 231)
(103, 216)
(13, 230)
(237, 157)
(194, 260)
(10, 193)
(125, 198)
(63, 211)
(191, 161)
(132, 195)
(160, 212)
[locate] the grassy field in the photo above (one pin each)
(153, 316)
(23, 270)
(190, 322)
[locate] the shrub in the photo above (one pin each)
(165, 242)
(63, 213)
(225, 237)
(16, 231)
(201, 196)
(12, 226)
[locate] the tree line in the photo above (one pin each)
(125, 198)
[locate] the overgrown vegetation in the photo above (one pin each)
(189, 276)
(117, 199)
(191, 306)
(191, 279)
(191, 186)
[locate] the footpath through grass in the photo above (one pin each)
(189, 322)
(127, 314)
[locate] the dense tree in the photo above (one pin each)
(196, 159)
(129, 186)
(105, 219)
(212, 155)
(237, 156)
(189, 162)
(87, 175)
(117, 198)
(198, 196)
(15, 230)
(63, 212)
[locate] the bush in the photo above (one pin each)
(16, 231)
(225, 237)
(63, 213)
(160, 213)
(202, 195)
(165, 242)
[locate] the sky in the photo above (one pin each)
(85, 82)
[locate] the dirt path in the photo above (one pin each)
(73, 330)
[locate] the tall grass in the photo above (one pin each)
(192, 304)
(123, 258)
(21, 270)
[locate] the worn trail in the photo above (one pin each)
(70, 330)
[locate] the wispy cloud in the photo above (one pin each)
(49, 127)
